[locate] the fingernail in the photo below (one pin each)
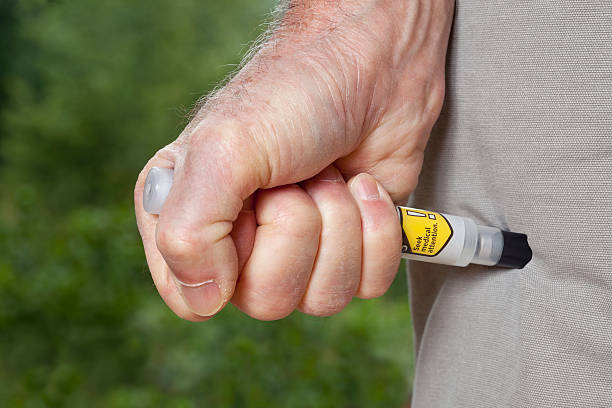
(203, 299)
(366, 187)
(328, 174)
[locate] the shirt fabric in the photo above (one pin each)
(524, 143)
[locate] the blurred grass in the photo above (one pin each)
(89, 90)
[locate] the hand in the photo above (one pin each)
(260, 212)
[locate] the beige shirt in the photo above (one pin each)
(524, 143)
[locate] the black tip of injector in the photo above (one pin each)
(517, 252)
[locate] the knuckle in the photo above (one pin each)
(306, 220)
(177, 243)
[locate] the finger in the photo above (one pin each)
(193, 231)
(275, 277)
(147, 224)
(337, 269)
(382, 238)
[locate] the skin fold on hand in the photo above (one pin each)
(284, 181)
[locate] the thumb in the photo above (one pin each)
(211, 181)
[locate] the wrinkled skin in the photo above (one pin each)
(285, 181)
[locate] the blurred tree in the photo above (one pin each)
(89, 75)
(91, 90)
(8, 26)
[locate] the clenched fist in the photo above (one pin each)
(284, 182)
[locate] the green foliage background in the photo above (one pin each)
(89, 90)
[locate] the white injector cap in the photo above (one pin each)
(156, 189)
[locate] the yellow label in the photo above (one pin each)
(423, 232)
